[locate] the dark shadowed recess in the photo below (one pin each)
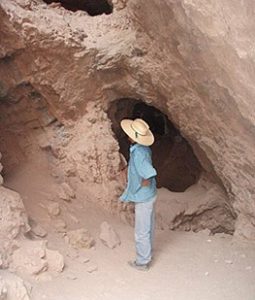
(176, 164)
(92, 7)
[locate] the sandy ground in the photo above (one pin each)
(186, 265)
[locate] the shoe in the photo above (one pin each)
(134, 265)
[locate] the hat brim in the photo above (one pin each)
(145, 140)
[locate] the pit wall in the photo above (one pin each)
(198, 73)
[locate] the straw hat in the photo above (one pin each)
(138, 130)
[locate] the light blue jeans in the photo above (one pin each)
(144, 230)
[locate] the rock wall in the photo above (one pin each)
(201, 206)
(207, 78)
(13, 223)
(193, 61)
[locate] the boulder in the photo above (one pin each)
(30, 258)
(3, 289)
(13, 223)
(37, 229)
(80, 238)
(13, 287)
(108, 236)
(13, 218)
(55, 261)
(34, 258)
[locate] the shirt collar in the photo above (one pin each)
(133, 147)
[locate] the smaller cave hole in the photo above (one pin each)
(177, 166)
(92, 7)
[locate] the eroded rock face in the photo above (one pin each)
(30, 259)
(202, 206)
(13, 219)
(13, 287)
(13, 223)
(193, 61)
(34, 258)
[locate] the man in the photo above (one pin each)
(141, 188)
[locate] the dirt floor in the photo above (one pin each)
(186, 265)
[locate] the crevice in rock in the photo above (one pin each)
(177, 166)
(92, 7)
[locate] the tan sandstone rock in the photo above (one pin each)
(13, 218)
(13, 287)
(108, 236)
(30, 258)
(3, 289)
(192, 59)
(13, 223)
(34, 258)
(37, 229)
(55, 261)
(80, 238)
(189, 210)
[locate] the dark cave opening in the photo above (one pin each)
(92, 7)
(176, 164)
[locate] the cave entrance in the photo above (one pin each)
(177, 166)
(92, 7)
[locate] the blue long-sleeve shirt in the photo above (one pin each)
(139, 168)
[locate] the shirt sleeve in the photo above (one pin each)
(143, 165)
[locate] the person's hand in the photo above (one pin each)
(145, 182)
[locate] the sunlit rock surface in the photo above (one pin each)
(60, 70)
